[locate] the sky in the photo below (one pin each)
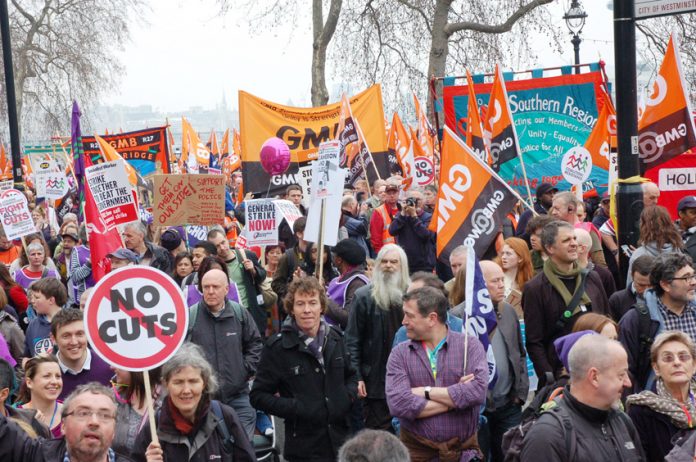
(187, 55)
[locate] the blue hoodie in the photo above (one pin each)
(37, 339)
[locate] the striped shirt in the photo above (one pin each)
(409, 367)
(686, 322)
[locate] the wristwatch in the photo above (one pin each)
(427, 392)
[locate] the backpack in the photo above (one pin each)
(193, 316)
(227, 438)
(513, 439)
(644, 338)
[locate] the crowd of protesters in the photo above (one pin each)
(373, 341)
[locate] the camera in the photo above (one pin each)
(411, 202)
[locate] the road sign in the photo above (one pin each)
(651, 8)
(136, 318)
(425, 171)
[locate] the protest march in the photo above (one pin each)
(339, 283)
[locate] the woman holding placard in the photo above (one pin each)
(190, 425)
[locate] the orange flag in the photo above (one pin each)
(5, 166)
(498, 126)
(111, 154)
(225, 144)
(400, 143)
(354, 153)
(599, 142)
(475, 138)
(472, 199)
(212, 141)
(666, 128)
(194, 155)
(425, 133)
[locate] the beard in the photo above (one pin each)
(386, 289)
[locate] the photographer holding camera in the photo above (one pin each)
(410, 228)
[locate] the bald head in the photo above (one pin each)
(495, 280)
(215, 285)
(583, 239)
(598, 371)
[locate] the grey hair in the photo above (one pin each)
(568, 198)
(459, 250)
(373, 446)
(70, 217)
(92, 387)
(191, 355)
(550, 232)
(347, 200)
(35, 246)
(138, 226)
(590, 351)
(386, 295)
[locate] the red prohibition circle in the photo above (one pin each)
(101, 291)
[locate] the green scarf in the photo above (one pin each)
(554, 275)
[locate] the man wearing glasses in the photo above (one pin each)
(671, 305)
(89, 418)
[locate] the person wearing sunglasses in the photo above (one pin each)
(88, 418)
(668, 412)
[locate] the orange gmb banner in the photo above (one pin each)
(471, 201)
(303, 129)
(666, 128)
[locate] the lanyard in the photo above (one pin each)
(432, 355)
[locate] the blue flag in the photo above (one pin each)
(480, 318)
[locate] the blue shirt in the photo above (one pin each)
(37, 339)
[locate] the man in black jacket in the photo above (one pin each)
(686, 208)
(306, 377)
(589, 407)
(554, 299)
(150, 254)
(375, 316)
(410, 228)
(244, 270)
(623, 300)
(231, 343)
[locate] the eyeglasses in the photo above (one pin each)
(690, 277)
(86, 414)
(669, 358)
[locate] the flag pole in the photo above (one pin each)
(468, 296)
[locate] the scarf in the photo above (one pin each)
(181, 423)
(663, 402)
(554, 275)
(315, 345)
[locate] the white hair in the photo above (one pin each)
(590, 351)
(388, 288)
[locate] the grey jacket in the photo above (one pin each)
(231, 345)
(509, 328)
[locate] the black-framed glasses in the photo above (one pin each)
(690, 277)
(85, 414)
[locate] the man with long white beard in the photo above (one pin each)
(375, 316)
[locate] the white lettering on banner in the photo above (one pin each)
(651, 143)
(677, 179)
(482, 219)
(283, 180)
(459, 182)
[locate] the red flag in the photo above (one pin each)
(101, 241)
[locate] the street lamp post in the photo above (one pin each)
(575, 20)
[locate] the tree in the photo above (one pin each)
(64, 50)
(402, 43)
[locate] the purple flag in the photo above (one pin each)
(78, 155)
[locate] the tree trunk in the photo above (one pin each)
(439, 49)
(322, 34)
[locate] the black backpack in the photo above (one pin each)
(227, 438)
(513, 439)
(644, 337)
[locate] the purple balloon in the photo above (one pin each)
(275, 156)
